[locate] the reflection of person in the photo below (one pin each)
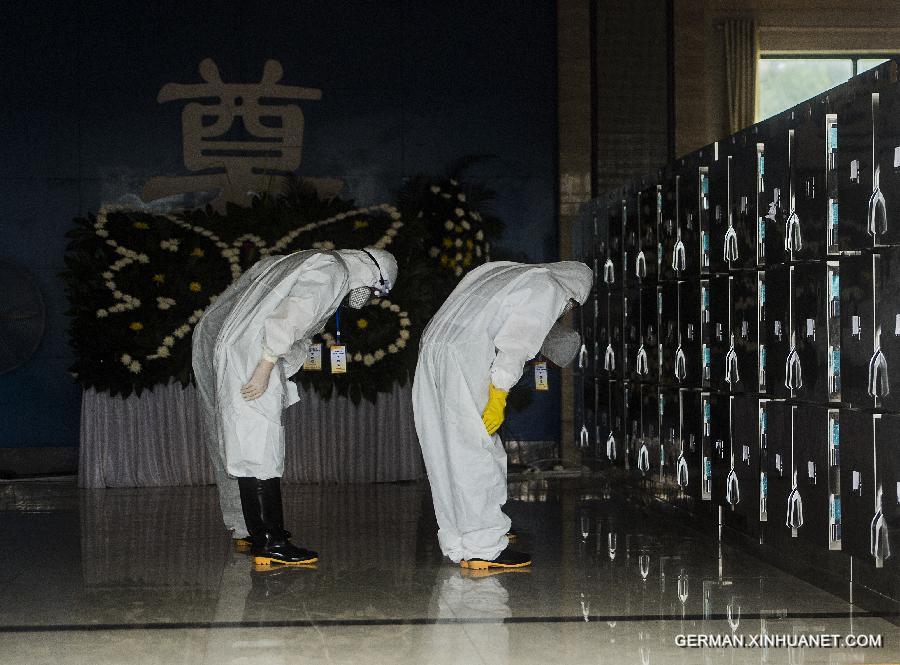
(245, 347)
(472, 352)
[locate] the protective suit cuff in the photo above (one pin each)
(503, 381)
(267, 354)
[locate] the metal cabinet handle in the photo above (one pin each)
(731, 244)
(679, 256)
(732, 375)
(609, 272)
(877, 213)
(792, 238)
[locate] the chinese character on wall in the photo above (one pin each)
(238, 138)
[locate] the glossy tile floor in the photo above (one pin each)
(148, 576)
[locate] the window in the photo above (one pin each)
(785, 81)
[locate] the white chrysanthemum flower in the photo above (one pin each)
(358, 357)
(404, 334)
(368, 360)
(103, 233)
(391, 232)
(460, 212)
(405, 323)
(466, 225)
(168, 340)
(401, 343)
(163, 352)
(126, 359)
(135, 367)
(102, 313)
(479, 235)
(461, 196)
(392, 348)
(435, 189)
(143, 258)
(454, 182)
(434, 252)
(458, 271)
(117, 295)
(448, 225)
(458, 256)
(478, 251)
(385, 304)
(395, 214)
(379, 354)
(107, 275)
(111, 285)
(395, 308)
(458, 242)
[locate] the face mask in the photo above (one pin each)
(561, 345)
(358, 297)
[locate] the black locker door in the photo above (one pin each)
(648, 370)
(602, 421)
(811, 444)
(632, 308)
(811, 195)
(777, 330)
(717, 424)
(742, 512)
(715, 333)
(854, 168)
(745, 287)
(614, 440)
(690, 333)
(811, 303)
(668, 227)
(596, 214)
(598, 352)
(857, 334)
(589, 313)
(634, 422)
(887, 319)
(646, 263)
(649, 435)
(742, 190)
(667, 301)
(669, 434)
(718, 208)
(887, 146)
(688, 206)
(857, 481)
(776, 462)
(631, 221)
(613, 352)
(614, 260)
(690, 444)
(887, 457)
(774, 201)
(587, 424)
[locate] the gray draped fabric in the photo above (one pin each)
(154, 440)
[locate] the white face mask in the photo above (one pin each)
(358, 297)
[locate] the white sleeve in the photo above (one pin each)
(310, 299)
(528, 313)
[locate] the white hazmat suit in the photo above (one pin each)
(271, 311)
(491, 325)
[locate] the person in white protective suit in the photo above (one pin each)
(472, 352)
(245, 347)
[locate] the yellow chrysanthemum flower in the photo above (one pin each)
(136, 326)
(360, 224)
(195, 287)
(198, 252)
(446, 242)
(159, 278)
(362, 324)
(143, 226)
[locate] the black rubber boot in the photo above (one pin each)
(261, 503)
(506, 559)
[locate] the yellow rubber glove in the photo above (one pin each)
(493, 412)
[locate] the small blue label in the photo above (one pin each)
(762, 165)
(762, 293)
(836, 509)
(832, 138)
(835, 433)
(834, 213)
(763, 421)
(835, 285)
(704, 184)
(762, 355)
(835, 360)
(762, 229)
(705, 242)
(707, 468)
(705, 294)
(706, 355)
(764, 485)
(658, 200)
(707, 412)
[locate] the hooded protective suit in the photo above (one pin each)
(272, 310)
(491, 325)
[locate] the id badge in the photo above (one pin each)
(313, 357)
(339, 359)
(540, 376)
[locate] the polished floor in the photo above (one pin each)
(148, 576)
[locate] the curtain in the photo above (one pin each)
(741, 56)
(154, 440)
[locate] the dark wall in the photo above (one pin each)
(407, 87)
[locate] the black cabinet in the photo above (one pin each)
(741, 244)
(690, 335)
(887, 154)
(669, 434)
(857, 480)
(671, 267)
(855, 168)
(631, 224)
(613, 351)
(689, 455)
(742, 368)
(777, 329)
(813, 426)
(718, 208)
(646, 263)
(632, 328)
(689, 229)
(646, 360)
(775, 462)
(667, 302)
(715, 314)
(774, 200)
(615, 441)
(815, 309)
(742, 509)
(811, 196)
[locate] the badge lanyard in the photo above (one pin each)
(338, 351)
